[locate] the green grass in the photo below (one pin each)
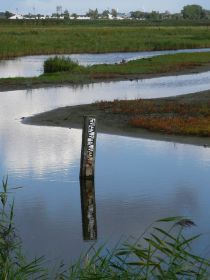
(162, 252)
(21, 38)
(155, 65)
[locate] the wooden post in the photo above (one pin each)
(88, 206)
(88, 150)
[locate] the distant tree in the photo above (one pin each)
(114, 13)
(93, 14)
(8, 14)
(207, 14)
(74, 15)
(137, 15)
(177, 16)
(58, 11)
(66, 14)
(105, 14)
(193, 12)
(154, 15)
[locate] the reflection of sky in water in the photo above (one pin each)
(33, 65)
(137, 180)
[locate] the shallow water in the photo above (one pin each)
(137, 180)
(30, 66)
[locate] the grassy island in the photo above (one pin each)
(137, 69)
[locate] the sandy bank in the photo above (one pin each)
(117, 124)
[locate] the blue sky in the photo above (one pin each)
(81, 6)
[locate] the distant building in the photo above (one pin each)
(120, 16)
(55, 17)
(110, 16)
(16, 16)
(83, 17)
(166, 15)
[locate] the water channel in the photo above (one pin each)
(29, 66)
(137, 180)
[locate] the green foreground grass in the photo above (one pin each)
(166, 254)
(164, 64)
(30, 38)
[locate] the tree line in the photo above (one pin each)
(189, 12)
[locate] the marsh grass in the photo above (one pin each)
(27, 38)
(155, 65)
(61, 64)
(162, 252)
(165, 116)
(195, 126)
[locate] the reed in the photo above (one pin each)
(166, 254)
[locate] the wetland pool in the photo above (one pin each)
(137, 181)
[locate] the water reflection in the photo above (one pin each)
(88, 206)
(150, 179)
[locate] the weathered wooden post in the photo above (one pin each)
(88, 206)
(88, 151)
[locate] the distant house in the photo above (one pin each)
(166, 15)
(83, 17)
(55, 17)
(119, 16)
(110, 16)
(16, 16)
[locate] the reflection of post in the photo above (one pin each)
(88, 206)
(87, 164)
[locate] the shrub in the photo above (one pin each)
(60, 64)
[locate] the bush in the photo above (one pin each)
(59, 64)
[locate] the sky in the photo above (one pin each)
(82, 6)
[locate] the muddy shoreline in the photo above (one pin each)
(117, 124)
